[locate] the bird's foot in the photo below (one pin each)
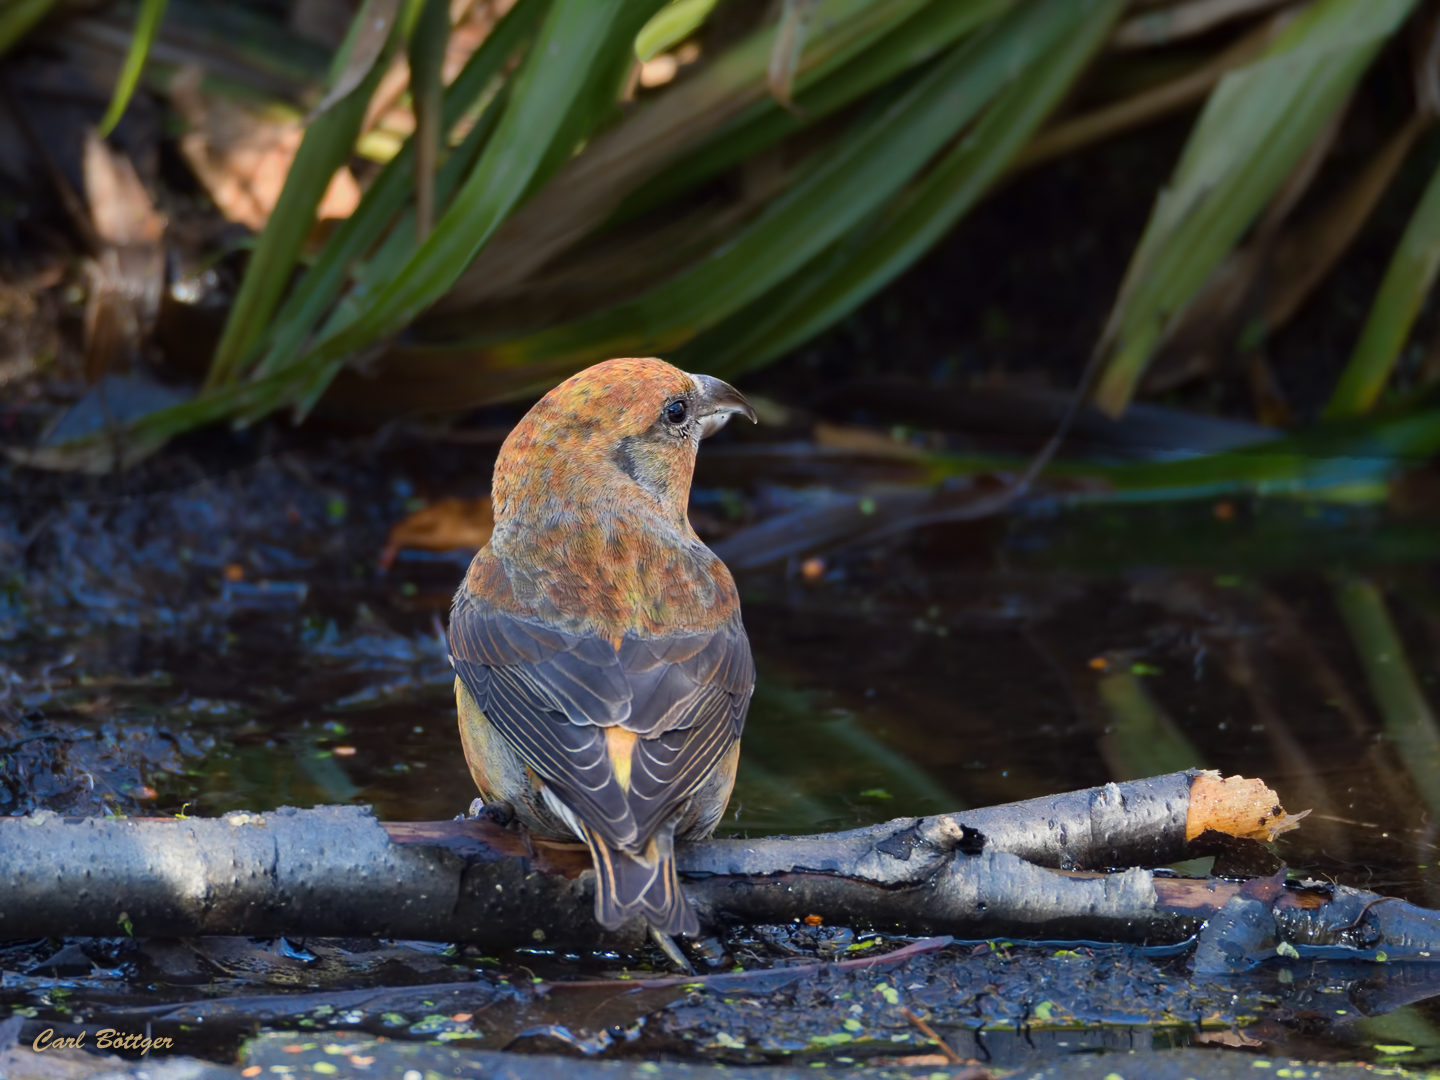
(671, 948)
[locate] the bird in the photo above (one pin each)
(603, 672)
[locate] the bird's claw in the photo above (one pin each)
(671, 948)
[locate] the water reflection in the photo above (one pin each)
(955, 666)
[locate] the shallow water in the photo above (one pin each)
(230, 643)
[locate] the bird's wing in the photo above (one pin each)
(692, 694)
(553, 696)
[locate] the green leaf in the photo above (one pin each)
(556, 70)
(399, 246)
(592, 102)
(427, 91)
(835, 75)
(671, 25)
(1335, 456)
(365, 41)
(586, 192)
(859, 175)
(16, 19)
(1407, 281)
(1255, 126)
(1343, 453)
(327, 143)
(387, 194)
(146, 27)
(845, 276)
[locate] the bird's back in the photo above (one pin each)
(625, 694)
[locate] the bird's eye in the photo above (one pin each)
(675, 412)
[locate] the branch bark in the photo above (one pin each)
(334, 871)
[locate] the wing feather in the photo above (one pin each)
(551, 695)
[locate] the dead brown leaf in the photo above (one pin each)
(120, 208)
(242, 156)
(1237, 806)
(445, 525)
(1234, 1039)
(127, 274)
(862, 440)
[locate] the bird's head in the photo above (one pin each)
(613, 427)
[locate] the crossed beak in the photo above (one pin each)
(717, 402)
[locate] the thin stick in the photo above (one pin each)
(950, 1055)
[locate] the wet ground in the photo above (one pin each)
(225, 637)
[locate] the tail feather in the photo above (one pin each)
(641, 883)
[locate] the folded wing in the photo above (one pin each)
(552, 695)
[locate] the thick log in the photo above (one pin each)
(335, 871)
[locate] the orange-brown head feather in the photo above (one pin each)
(590, 493)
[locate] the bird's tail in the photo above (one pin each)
(645, 883)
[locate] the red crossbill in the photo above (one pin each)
(603, 670)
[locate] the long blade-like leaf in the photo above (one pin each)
(16, 19)
(1340, 454)
(914, 41)
(146, 26)
(671, 25)
(1407, 281)
(1255, 127)
(586, 192)
(558, 66)
(859, 175)
(400, 245)
(327, 143)
(307, 303)
(843, 278)
(427, 91)
(369, 32)
(1334, 458)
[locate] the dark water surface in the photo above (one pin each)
(227, 641)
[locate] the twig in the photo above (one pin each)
(933, 1036)
(1363, 912)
